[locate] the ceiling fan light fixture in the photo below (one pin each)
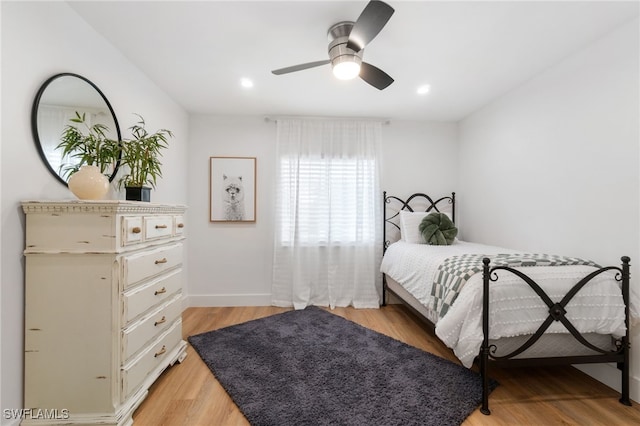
(345, 62)
(346, 69)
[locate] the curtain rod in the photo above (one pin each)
(384, 121)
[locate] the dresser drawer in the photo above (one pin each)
(153, 356)
(131, 230)
(158, 227)
(179, 225)
(147, 264)
(142, 332)
(142, 298)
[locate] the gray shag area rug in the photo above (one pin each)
(311, 367)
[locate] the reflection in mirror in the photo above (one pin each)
(58, 100)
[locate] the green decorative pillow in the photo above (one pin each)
(437, 229)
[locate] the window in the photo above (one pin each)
(327, 201)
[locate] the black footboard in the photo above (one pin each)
(557, 312)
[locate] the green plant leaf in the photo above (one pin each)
(87, 145)
(141, 154)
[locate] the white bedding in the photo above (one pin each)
(515, 308)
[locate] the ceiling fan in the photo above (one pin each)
(347, 40)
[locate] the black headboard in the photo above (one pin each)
(392, 206)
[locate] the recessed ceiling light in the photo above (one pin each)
(424, 89)
(246, 83)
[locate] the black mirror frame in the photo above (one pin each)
(34, 122)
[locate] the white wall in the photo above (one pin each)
(419, 157)
(553, 165)
(231, 263)
(40, 39)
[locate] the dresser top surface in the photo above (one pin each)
(115, 206)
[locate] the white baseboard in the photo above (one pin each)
(217, 300)
(609, 375)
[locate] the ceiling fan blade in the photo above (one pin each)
(375, 76)
(370, 22)
(300, 67)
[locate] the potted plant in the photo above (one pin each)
(142, 156)
(93, 154)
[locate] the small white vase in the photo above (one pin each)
(88, 183)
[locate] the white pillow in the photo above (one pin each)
(410, 223)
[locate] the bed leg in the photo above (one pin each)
(484, 358)
(624, 398)
(484, 351)
(384, 291)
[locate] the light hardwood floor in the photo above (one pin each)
(188, 394)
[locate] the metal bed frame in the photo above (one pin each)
(557, 310)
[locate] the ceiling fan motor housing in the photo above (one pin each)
(338, 36)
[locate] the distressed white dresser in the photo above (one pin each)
(103, 304)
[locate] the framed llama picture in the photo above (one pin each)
(232, 189)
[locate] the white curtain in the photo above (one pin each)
(328, 235)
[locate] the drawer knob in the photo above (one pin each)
(160, 352)
(161, 226)
(162, 290)
(181, 225)
(136, 230)
(163, 260)
(160, 321)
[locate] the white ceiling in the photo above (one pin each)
(468, 52)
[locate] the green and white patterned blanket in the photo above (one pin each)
(454, 272)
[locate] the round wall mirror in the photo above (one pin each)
(57, 101)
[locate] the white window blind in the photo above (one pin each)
(330, 200)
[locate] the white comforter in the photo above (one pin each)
(515, 308)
